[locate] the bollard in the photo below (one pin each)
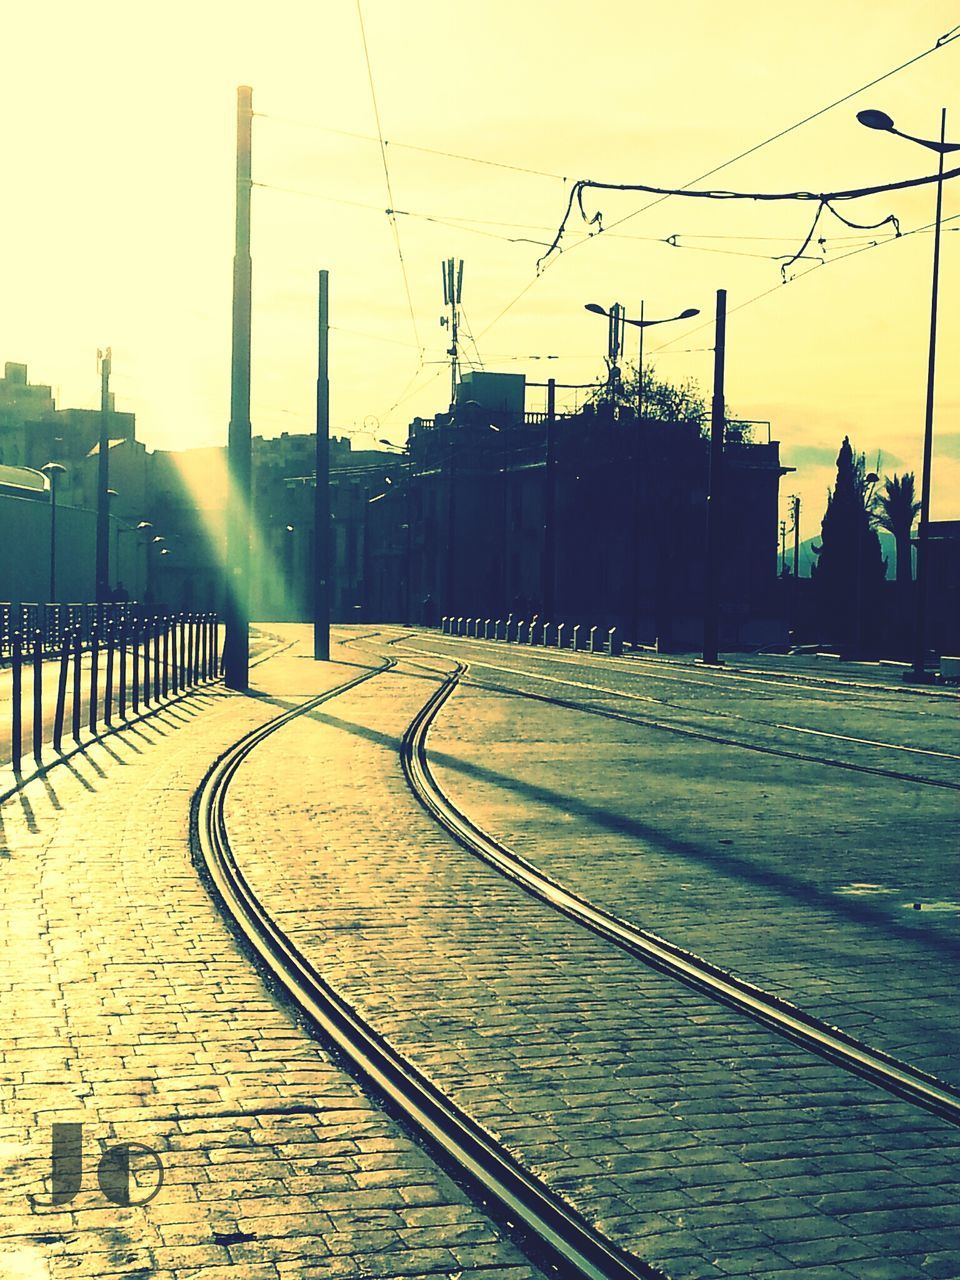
(592, 643)
(16, 728)
(108, 679)
(61, 692)
(77, 686)
(489, 626)
(507, 625)
(532, 632)
(575, 637)
(94, 678)
(561, 634)
(545, 636)
(445, 625)
(614, 645)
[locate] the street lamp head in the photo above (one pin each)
(875, 120)
(596, 308)
(871, 478)
(53, 469)
(689, 313)
(144, 524)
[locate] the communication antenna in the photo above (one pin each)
(452, 271)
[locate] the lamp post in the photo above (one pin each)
(617, 321)
(880, 120)
(52, 470)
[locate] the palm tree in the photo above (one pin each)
(895, 509)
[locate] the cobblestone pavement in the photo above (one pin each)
(130, 1009)
(688, 1134)
(799, 877)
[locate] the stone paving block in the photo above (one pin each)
(144, 1021)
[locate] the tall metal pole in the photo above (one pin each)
(640, 368)
(549, 506)
(321, 498)
(711, 625)
(796, 537)
(102, 574)
(53, 536)
(918, 671)
(236, 655)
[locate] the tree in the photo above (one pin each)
(662, 400)
(849, 569)
(895, 508)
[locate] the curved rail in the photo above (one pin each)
(564, 1237)
(769, 1010)
(704, 735)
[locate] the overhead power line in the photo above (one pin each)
(386, 174)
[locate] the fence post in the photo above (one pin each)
(61, 692)
(135, 650)
(215, 644)
(166, 656)
(174, 668)
(193, 650)
(16, 723)
(156, 657)
(122, 708)
(37, 695)
(183, 652)
(94, 677)
(77, 688)
(108, 690)
(146, 662)
(204, 647)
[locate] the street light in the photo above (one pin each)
(880, 120)
(52, 470)
(617, 320)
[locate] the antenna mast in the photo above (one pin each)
(452, 271)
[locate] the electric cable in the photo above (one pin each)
(386, 174)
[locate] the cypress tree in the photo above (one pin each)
(849, 570)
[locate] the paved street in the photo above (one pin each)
(130, 1008)
(696, 1139)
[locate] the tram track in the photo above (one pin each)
(773, 1012)
(704, 735)
(568, 1241)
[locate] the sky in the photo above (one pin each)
(117, 222)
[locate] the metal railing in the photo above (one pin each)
(110, 665)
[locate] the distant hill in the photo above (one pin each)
(888, 548)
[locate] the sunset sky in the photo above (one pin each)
(117, 216)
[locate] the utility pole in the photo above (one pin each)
(783, 548)
(321, 495)
(549, 505)
(711, 622)
(236, 649)
(614, 350)
(796, 537)
(452, 290)
(103, 482)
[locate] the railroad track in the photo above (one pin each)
(706, 735)
(564, 1238)
(778, 1015)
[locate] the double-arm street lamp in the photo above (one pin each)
(617, 320)
(880, 120)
